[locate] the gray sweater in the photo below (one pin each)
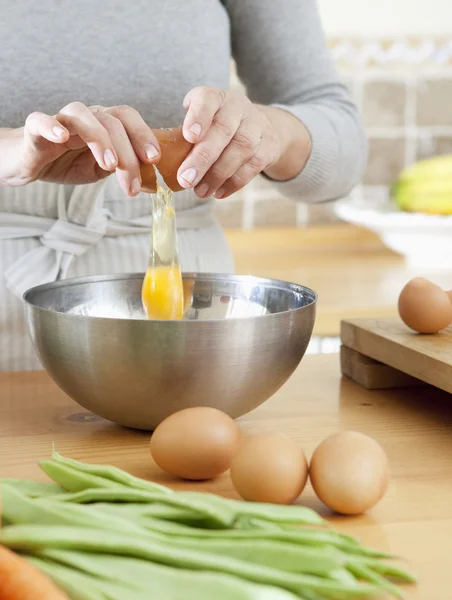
(149, 53)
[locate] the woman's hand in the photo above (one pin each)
(78, 145)
(235, 140)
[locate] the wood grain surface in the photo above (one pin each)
(353, 273)
(425, 357)
(414, 426)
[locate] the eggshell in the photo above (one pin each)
(195, 443)
(349, 472)
(449, 293)
(424, 306)
(174, 148)
(269, 467)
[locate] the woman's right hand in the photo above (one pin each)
(78, 145)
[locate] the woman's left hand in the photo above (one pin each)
(234, 141)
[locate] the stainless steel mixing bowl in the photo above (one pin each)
(240, 340)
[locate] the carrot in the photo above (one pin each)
(21, 581)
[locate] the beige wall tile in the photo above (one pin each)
(386, 160)
(434, 102)
(432, 146)
(276, 212)
(382, 98)
(384, 103)
(229, 212)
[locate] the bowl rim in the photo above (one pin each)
(275, 283)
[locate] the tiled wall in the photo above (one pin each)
(407, 111)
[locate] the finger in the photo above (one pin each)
(79, 120)
(202, 104)
(243, 146)
(41, 125)
(208, 150)
(243, 175)
(128, 170)
(140, 134)
(75, 143)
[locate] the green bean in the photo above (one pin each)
(368, 575)
(284, 556)
(81, 586)
(118, 476)
(388, 570)
(255, 522)
(201, 509)
(293, 558)
(393, 572)
(342, 575)
(271, 513)
(34, 489)
(112, 474)
(207, 506)
(161, 513)
(290, 547)
(157, 511)
(75, 479)
(18, 509)
(309, 536)
(164, 513)
(352, 543)
(274, 513)
(86, 488)
(166, 582)
(77, 585)
(38, 537)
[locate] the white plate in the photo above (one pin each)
(425, 240)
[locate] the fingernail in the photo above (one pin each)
(196, 129)
(189, 175)
(109, 158)
(135, 186)
(203, 189)
(219, 193)
(59, 131)
(151, 152)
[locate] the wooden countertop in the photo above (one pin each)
(414, 426)
(349, 268)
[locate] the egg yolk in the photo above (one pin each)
(163, 293)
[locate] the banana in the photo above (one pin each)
(437, 166)
(425, 187)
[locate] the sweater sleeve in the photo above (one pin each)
(283, 59)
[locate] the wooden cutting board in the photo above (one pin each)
(384, 353)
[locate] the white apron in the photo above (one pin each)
(50, 232)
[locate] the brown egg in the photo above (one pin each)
(449, 293)
(424, 306)
(174, 148)
(349, 472)
(195, 443)
(269, 467)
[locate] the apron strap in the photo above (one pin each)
(82, 223)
